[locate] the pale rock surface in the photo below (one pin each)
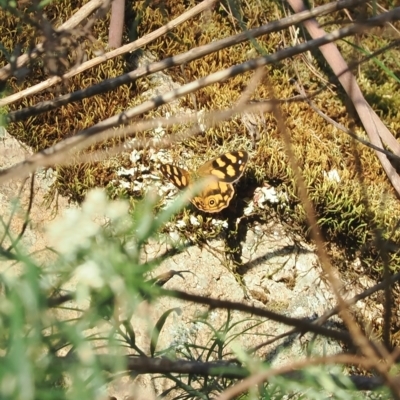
(15, 195)
(282, 274)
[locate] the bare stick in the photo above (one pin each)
(264, 376)
(74, 21)
(193, 54)
(58, 152)
(374, 127)
(117, 23)
(114, 53)
(349, 83)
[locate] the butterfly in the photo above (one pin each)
(217, 192)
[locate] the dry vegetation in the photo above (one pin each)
(358, 215)
(349, 212)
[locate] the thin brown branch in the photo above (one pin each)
(234, 371)
(143, 365)
(130, 47)
(340, 126)
(180, 59)
(117, 22)
(58, 152)
(6, 230)
(73, 22)
(302, 324)
(368, 117)
(374, 127)
(335, 310)
(27, 215)
(379, 239)
(264, 376)
(387, 305)
(316, 233)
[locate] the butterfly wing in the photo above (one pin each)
(214, 197)
(228, 167)
(218, 175)
(178, 176)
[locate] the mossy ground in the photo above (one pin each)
(351, 212)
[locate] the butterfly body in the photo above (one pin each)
(219, 173)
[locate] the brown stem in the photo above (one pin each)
(116, 23)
